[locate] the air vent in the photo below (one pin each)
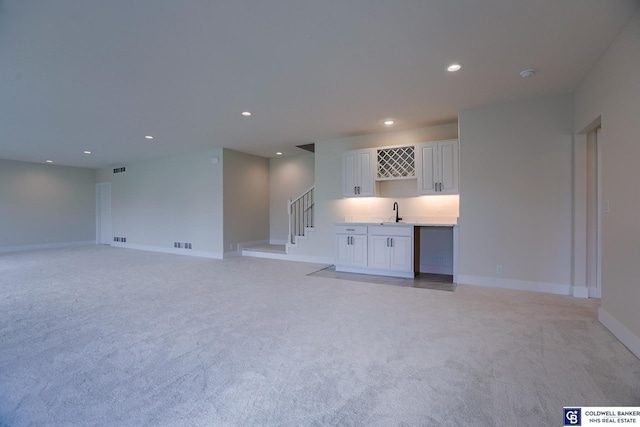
(308, 147)
(119, 170)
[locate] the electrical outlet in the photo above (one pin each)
(499, 270)
(440, 259)
(606, 207)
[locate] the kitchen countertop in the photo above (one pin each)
(417, 222)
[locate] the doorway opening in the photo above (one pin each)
(594, 214)
(103, 214)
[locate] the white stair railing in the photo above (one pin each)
(300, 215)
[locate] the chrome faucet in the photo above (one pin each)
(397, 210)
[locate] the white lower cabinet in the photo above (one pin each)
(351, 250)
(382, 250)
(351, 246)
(391, 248)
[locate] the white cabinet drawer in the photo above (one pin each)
(391, 230)
(351, 229)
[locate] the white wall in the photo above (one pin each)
(289, 177)
(44, 204)
(246, 199)
(611, 91)
(176, 199)
(515, 194)
(331, 207)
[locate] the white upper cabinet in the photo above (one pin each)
(358, 178)
(437, 167)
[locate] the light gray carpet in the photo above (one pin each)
(117, 337)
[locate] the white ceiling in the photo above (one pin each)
(100, 75)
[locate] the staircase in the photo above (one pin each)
(300, 217)
(300, 211)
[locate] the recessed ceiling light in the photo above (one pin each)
(453, 67)
(279, 153)
(389, 122)
(148, 137)
(527, 73)
(87, 152)
(246, 113)
(49, 161)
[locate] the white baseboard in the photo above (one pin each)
(594, 293)
(289, 257)
(580, 291)
(46, 246)
(522, 285)
(626, 337)
(277, 242)
(175, 251)
(232, 254)
(268, 255)
(311, 259)
(436, 269)
(243, 245)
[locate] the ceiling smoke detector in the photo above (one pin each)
(527, 73)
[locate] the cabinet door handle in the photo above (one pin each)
(391, 242)
(350, 239)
